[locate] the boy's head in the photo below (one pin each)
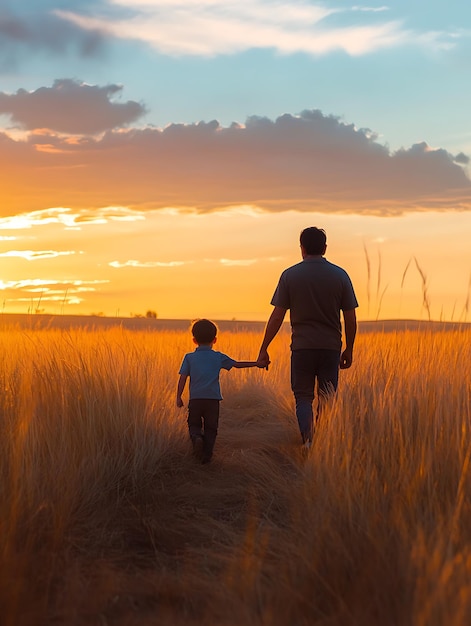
(204, 332)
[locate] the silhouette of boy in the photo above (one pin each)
(202, 367)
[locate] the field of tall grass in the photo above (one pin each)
(107, 519)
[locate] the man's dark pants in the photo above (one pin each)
(307, 366)
(203, 420)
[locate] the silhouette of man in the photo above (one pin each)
(314, 291)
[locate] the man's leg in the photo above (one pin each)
(302, 384)
(211, 422)
(327, 377)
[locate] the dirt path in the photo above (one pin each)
(195, 540)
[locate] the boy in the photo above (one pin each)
(203, 367)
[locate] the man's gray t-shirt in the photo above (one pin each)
(315, 291)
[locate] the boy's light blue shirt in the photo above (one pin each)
(203, 367)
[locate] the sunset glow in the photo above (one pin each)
(165, 155)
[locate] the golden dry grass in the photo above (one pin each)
(106, 518)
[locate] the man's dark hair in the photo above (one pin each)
(313, 240)
(204, 331)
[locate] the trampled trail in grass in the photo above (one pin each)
(106, 517)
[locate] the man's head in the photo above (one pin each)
(204, 332)
(313, 241)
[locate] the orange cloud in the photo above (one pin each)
(309, 162)
(69, 219)
(34, 255)
(66, 291)
(134, 263)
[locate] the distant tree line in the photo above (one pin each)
(152, 315)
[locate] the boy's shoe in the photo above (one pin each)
(198, 445)
(206, 459)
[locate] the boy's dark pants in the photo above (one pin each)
(203, 419)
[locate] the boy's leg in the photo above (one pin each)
(195, 419)
(195, 423)
(211, 422)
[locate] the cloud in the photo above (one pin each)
(231, 26)
(246, 262)
(35, 283)
(34, 255)
(461, 158)
(146, 264)
(109, 214)
(364, 9)
(305, 162)
(20, 35)
(47, 290)
(69, 219)
(207, 29)
(237, 262)
(70, 107)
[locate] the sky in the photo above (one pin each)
(164, 155)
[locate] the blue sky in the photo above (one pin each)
(407, 77)
(364, 105)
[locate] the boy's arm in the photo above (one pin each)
(180, 388)
(240, 364)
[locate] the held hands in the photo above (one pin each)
(263, 360)
(263, 365)
(179, 402)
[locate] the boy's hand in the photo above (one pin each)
(179, 403)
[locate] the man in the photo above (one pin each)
(315, 291)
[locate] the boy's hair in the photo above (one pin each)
(313, 240)
(204, 331)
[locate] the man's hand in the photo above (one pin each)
(263, 360)
(263, 364)
(346, 359)
(179, 402)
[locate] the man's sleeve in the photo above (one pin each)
(185, 366)
(281, 295)
(349, 300)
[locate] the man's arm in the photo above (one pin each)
(180, 388)
(273, 326)
(350, 327)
